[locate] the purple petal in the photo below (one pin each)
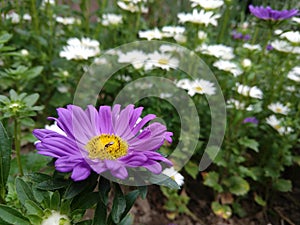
(80, 172)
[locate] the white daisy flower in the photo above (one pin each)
(56, 219)
(171, 31)
(218, 51)
(161, 60)
(151, 34)
(253, 92)
(233, 103)
(246, 63)
(111, 19)
(294, 74)
(277, 125)
(65, 20)
(14, 17)
(251, 47)
(200, 17)
(202, 35)
(296, 19)
(132, 6)
(136, 58)
(184, 83)
(200, 86)
(279, 108)
(180, 38)
(27, 17)
(24, 52)
(207, 4)
(292, 36)
(173, 174)
(228, 66)
(80, 49)
(284, 46)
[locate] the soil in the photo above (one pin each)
(284, 210)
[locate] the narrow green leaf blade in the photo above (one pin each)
(12, 216)
(24, 191)
(119, 204)
(5, 158)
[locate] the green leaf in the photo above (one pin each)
(100, 214)
(85, 201)
(128, 220)
(282, 185)
(86, 222)
(192, 169)
(55, 201)
(52, 184)
(33, 72)
(24, 191)
(237, 185)
(30, 100)
(5, 158)
(13, 95)
(5, 38)
(224, 211)
(119, 204)
(33, 208)
(164, 180)
(4, 99)
(259, 200)
(143, 191)
(130, 199)
(104, 189)
(27, 122)
(12, 216)
(211, 179)
(249, 143)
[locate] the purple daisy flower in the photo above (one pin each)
(250, 120)
(270, 14)
(109, 139)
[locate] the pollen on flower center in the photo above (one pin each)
(198, 88)
(106, 146)
(163, 61)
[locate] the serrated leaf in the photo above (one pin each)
(224, 211)
(192, 169)
(282, 185)
(211, 179)
(5, 158)
(24, 191)
(237, 185)
(12, 216)
(30, 100)
(249, 143)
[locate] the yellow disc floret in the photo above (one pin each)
(106, 146)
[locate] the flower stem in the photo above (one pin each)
(17, 134)
(224, 23)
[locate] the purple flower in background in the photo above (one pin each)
(108, 139)
(269, 47)
(270, 14)
(247, 37)
(237, 35)
(250, 120)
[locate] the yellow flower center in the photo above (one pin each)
(163, 61)
(198, 88)
(106, 146)
(277, 127)
(279, 110)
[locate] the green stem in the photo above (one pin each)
(224, 24)
(17, 134)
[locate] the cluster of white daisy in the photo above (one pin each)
(176, 32)
(294, 74)
(219, 51)
(205, 15)
(253, 92)
(16, 18)
(278, 124)
(197, 86)
(133, 6)
(111, 19)
(67, 20)
(139, 59)
(80, 49)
